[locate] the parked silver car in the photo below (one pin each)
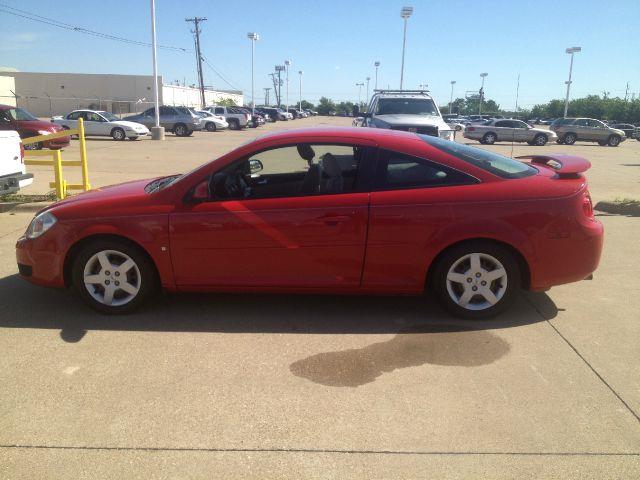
(179, 120)
(508, 130)
(588, 130)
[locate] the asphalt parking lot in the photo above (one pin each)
(257, 386)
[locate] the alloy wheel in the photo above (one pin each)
(112, 278)
(476, 281)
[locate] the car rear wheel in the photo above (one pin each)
(569, 139)
(540, 140)
(181, 130)
(476, 279)
(602, 143)
(614, 141)
(210, 126)
(113, 276)
(118, 134)
(489, 138)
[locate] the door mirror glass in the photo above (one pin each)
(255, 166)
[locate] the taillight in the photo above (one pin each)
(471, 129)
(587, 205)
(21, 153)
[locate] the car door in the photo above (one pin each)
(92, 123)
(599, 130)
(298, 222)
(71, 120)
(521, 131)
(582, 129)
(410, 203)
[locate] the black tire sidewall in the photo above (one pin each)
(211, 127)
(571, 136)
(487, 135)
(438, 282)
(147, 271)
(611, 138)
(114, 131)
(540, 135)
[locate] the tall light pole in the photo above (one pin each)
(254, 37)
(376, 64)
(300, 72)
(359, 85)
(453, 82)
(483, 75)
(287, 64)
(405, 13)
(367, 97)
(570, 51)
(157, 132)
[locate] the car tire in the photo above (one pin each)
(33, 146)
(489, 138)
(614, 140)
(180, 130)
(569, 138)
(98, 275)
(134, 137)
(476, 279)
(234, 124)
(602, 143)
(210, 127)
(540, 140)
(118, 134)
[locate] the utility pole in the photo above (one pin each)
(405, 13)
(287, 63)
(626, 92)
(453, 82)
(157, 132)
(279, 69)
(483, 75)
(266, 96)
(376, 64)
(570, 51)
(517, 94)
(196, 31)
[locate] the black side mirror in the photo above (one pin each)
(255, 166)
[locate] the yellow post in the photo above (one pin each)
(57, 173)
(83, 156)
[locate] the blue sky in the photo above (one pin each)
(335, 43)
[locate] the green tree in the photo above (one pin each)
(307, 105)
(326, 106)
(226, 102)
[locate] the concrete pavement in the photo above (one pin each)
(258, 386)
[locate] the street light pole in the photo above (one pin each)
(254, 37)
(376, 64)
(367, 97)
(359, 85)
(483, 75)
(453, 82)
(570, 51)
(157, 132)
(287, 63)
(300, 72)
(405, 13)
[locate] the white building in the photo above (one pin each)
(48, 94)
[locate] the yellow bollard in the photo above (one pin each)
(57, 173)
(83, 156)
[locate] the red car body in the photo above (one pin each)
(352, 243)
(32, 128)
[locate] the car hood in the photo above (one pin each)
(103, 201)
(39, 125)
(130, 124)
(413, 120)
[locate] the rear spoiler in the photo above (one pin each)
(564, 165)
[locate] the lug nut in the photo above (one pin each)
(474, 288)
(478, 275)
(469, 280)
(107, 282)
(117, 283)
(483, 283)
(107, 272)
(117, 274)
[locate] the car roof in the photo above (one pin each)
(375, 134)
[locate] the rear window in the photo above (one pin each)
(495, 163)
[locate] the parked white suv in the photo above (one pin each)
(13, 176)
(235, 117)
(409, 110)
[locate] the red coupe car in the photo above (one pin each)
(335, 210)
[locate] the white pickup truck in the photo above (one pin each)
(13, 176)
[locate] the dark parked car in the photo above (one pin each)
(629, 130)
(27, 125)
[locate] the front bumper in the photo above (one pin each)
(39, 261)
(57, 143)
(14, 182)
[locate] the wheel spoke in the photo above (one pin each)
(128, 288)
(457, 277)
(475, 262)
(104, 261)
(93, 279)
(109, 290)
(494, 274)
(489, 296)
(126, 266)
(464, 300)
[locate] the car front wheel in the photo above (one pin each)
(489, 138)
(540, 140)
(118, 134)
(113, 277)
(614, 141)
(476, 280)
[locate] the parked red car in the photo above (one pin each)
(337, 210)
(27, 125)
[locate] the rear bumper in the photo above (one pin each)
(14, 182)
(571, 259)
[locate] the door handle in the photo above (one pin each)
(333, 220)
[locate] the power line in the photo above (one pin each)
(222, 77)
(56, 23)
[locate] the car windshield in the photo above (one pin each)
(406, 106)
(109, 116)
(20, 114)
(495, 163)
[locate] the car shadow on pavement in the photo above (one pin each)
(23, 305)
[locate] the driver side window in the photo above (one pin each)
(292, 171)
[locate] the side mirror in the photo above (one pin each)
(255, 166)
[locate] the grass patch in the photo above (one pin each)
(21, 198)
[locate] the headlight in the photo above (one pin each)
(40, 224)
(447, 134)
(44, 132)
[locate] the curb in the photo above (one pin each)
(23, 207)
(619, 208)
